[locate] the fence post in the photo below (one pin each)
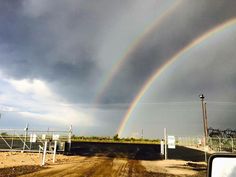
(32, 134)
(69, 137)
(26, 133)
(54, 151)
(220, 144)
(232, 144)
(12, 139)
(44, 153)
(165, 137)
(205, 148)
(210, 142)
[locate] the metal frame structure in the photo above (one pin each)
(29, 140)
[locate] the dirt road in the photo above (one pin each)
(106, 161)
(95, 167)
(107, 167)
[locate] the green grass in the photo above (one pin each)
(114, 140)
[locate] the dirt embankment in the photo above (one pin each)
(16, 163)
(10, 159)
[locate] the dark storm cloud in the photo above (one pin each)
(57, 42)
(188, 21)
(60, 42)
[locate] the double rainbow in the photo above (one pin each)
(132, 48)
(169, 62)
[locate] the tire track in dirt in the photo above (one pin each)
(118, 168)
(136, 169)
(103, 168)
(123, 168)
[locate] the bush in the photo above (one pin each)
(4, 134)
(116, 137)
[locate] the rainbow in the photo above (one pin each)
(170, 61)
(116, 67)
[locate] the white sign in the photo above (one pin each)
(162, 147)
(33, 138)
(55, 137)
(171, 142)
(43, 136)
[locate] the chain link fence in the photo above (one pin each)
(215, 144)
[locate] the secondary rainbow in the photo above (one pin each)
(170, 61)
(116, 67)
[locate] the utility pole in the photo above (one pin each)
(204, 124)
(203, 115)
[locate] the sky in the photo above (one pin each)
(83, 63)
